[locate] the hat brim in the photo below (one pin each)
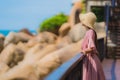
(88, 25)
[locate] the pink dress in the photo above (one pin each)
(92, 68)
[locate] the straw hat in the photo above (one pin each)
(88, 19)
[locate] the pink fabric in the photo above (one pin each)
(92, 68)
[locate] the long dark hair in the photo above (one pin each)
(96, 43)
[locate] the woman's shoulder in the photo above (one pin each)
(90, 31)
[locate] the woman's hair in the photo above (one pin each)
(96, 43)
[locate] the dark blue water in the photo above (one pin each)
(6, 32)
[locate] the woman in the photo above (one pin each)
(92, 69)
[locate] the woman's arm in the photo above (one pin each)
(91, 43)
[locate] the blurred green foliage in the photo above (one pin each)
(84, 6)
(53, 24)
(99, 12)
(83, 1)
(83, 10)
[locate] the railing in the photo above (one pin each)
(69, 70)
(107, 21)
(72, 69)
(113, 3)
